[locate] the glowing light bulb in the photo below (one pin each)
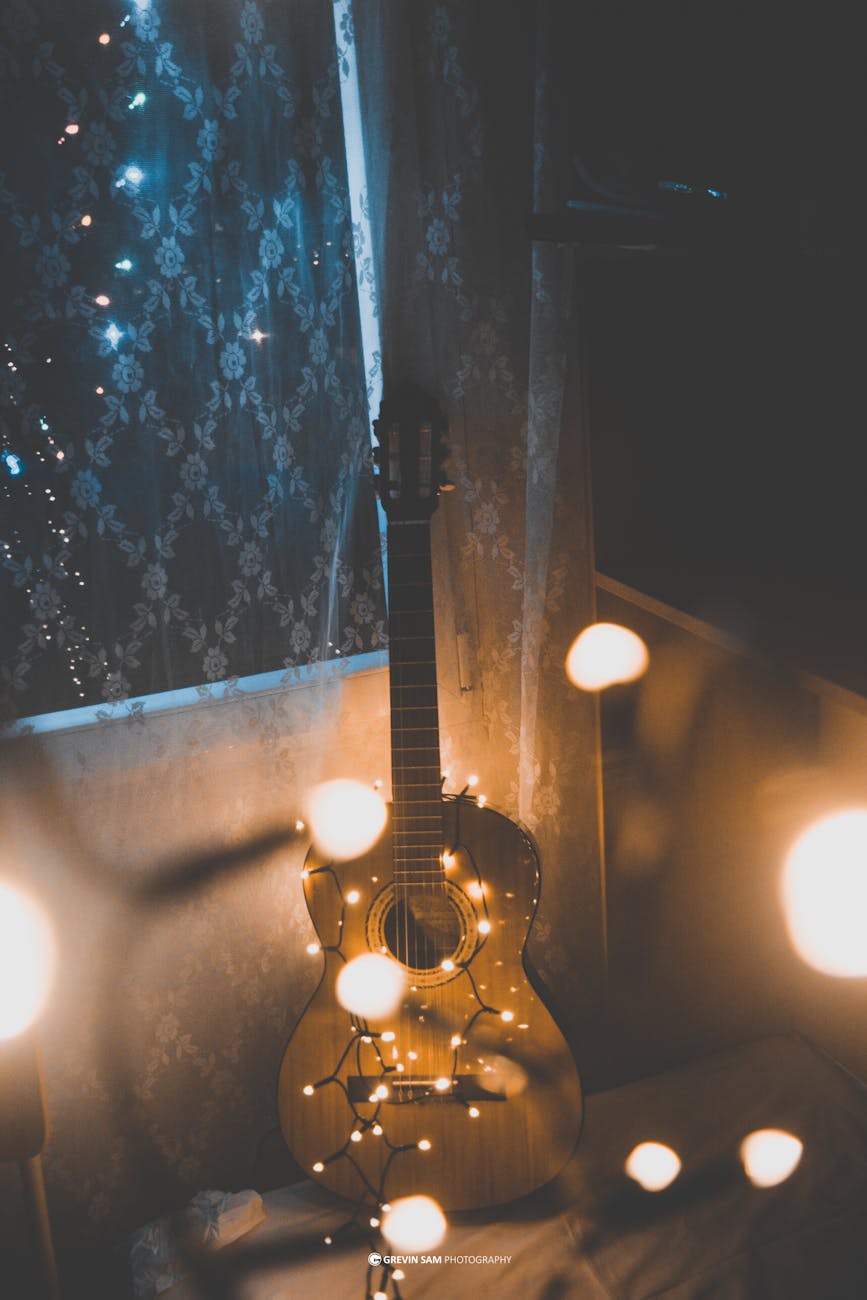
(507, 1016)
(353, 896)
(448, 964)
(355, 1135)
(388, 1036)
(382, 1092)
(824, 889)
(104, 38)
(346, 818)
(377, 1130)
(133, 174)
(442, 1085)
(770, 1156)
(123, 265)
(374, 1223)
(482, 800)
(308, 1090)
(476, 890)
(113, 334)
(14, 464)
(318, 1167)
(27, 956)
(378, 1295)
(472, 780)
(484, 926)
(414, 1223)
(413, 1056)
(138, 100)
(313, 949)
(455, 1040)
(102, 300)
(653, 1166)
(327, 1240)
(86, 220)
(371, 986)
(257, 336)
(449, 861)
(72, 128)
(473, 1112)
(424, 1144)
(398, 1275)
(603, 654)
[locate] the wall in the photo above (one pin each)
(713, 764)
(165, 1031)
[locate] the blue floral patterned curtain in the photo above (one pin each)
(184, 487)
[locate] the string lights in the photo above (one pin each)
(27, 961)
(372, 987)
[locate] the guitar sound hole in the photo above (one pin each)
(422, 932)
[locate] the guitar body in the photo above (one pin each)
(508, 1123)
(466, 1091)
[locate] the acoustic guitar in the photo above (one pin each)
(468, 1092)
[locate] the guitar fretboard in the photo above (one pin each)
(415, 750)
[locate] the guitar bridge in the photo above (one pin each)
(403, 1088)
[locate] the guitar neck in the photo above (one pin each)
(415, 750)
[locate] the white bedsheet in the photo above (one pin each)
(712, 1236)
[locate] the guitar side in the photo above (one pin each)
(511, 1117)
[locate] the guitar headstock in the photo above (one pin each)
(411, 431)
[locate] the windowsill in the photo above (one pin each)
(190, 697)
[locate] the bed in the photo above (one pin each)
(595, 1234)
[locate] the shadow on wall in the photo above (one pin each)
(171, 1010)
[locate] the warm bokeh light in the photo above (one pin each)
(770, 1156)
(371, 986)
(27, 957)
(604, 654)
(824, 891)
(414, 1223)
(653, 1166)
(504, 1077)
(346, 818)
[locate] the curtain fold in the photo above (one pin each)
(458, 131)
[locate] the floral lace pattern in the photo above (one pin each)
(182, 380)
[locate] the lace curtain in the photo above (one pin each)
(461, 120)
(454, 127)
(186, 493)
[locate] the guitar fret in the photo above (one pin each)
(416, 819)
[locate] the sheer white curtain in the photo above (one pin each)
(456, 120)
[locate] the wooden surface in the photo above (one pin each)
(514, 1145)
